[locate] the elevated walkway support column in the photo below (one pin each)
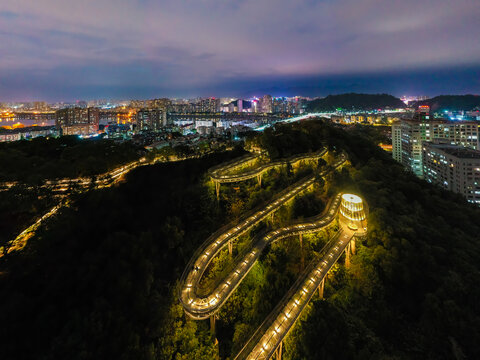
(212, 324)
(302, 257)
(259, 179)
(230, 247)
(321, 288)
(217, 189)
(278, 352)
(348, 255)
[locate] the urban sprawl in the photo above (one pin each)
(442, 148)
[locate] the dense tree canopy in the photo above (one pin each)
(451, 102)
(32, 161)
(97, 280)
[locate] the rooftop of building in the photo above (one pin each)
(456, 150)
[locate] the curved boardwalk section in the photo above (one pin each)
(223, 174)
(268, 338)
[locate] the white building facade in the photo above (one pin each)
(453, 167)
(409, 135)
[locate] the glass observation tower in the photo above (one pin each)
(351, 209)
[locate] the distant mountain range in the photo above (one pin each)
(353, 101)
(451, 102)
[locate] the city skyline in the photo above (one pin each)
(57, 51)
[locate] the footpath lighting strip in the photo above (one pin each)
(220, 174)
(199, 307)
(269, 336)
(101, 181)
(202, 308)
(62, 185)
(20, 241)
(286, 316)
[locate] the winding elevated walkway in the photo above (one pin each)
(101, 180)
(267, 340)
(223, 174)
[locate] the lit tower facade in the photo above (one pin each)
(352, 211)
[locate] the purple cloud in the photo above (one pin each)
(197, 44)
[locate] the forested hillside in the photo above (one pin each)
(353, 101)
(65, 157)
(452, 103)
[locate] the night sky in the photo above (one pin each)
(120, 49)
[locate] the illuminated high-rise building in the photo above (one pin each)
(279, 105)
(240, 105)
(408, 136)
(209, 105)
(77, 121)
(162, 103)
(455, 168)
(151, 119)
(266, 105)
(255, 106)
(40, 106)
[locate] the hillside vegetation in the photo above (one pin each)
(353, 101)
(452, 103)
(33, 161)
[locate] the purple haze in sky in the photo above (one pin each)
(65, 49)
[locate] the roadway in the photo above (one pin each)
(295, 119)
